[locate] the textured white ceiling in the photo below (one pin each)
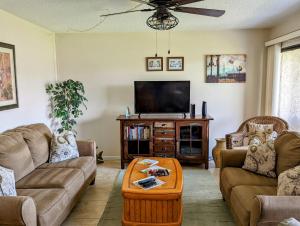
(76, 15)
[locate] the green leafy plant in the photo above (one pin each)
(67, 99)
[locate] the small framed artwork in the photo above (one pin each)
(226, 68)
(154, 63)
(8, 78)
(175, 63)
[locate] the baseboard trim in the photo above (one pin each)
(111, 158)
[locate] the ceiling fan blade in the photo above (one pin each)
(182, 2)
(125, 12)
(200, 11)
(145, 2)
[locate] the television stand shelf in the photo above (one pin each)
(172, 136)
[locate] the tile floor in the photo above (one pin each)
(91, 206)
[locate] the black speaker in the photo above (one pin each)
(193, 110)
(204, 109)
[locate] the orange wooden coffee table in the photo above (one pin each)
(160, 206)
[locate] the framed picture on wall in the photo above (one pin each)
(175, 63)
(8, 78)
(226, 68)
(154, 63)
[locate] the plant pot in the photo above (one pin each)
(216, 151)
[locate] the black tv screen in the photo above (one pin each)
(162, 97)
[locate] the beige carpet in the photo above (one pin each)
(203, 204)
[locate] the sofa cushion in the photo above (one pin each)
(49, 203)
(231, 177)
(38, 138)
(70, 179)
(87, 164)
(15, 155)
(287, 147)
(243, 197)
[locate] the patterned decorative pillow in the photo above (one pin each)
(63, 147)
(260, 133)
(289, 182)
(261, 159)
(7, 182)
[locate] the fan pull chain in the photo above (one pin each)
(169, 43)
(156, 44)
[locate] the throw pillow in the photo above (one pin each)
(261, 159)
(289, 182)
(63, 147)
(260, 133)
(289, 222)
(7, 182)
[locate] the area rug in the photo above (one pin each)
(202, 201)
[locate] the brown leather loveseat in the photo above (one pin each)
(252, 198)
(46, 192)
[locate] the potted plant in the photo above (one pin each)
(67, 99)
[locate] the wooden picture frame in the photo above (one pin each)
(154, 63)
(8, 77)
(226, 68)
(175, 63)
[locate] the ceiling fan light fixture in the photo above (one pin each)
(162, 22)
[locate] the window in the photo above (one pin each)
(289, 91)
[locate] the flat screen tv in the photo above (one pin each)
(159, 97)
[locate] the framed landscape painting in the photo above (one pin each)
(8, 79)
(175, 63)
(229, 68)
(154, 63)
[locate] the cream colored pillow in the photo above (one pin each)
(261, 159)
(63, 147)
(260, 133)
(289, 182)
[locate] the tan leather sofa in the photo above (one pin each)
(253, 198)
(46, 192)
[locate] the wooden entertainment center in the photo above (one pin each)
(178, 137)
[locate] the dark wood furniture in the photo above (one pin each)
(178, 137)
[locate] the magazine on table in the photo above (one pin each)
(148, 162)
(148, 183)
(156, 170)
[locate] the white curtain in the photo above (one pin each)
(289, 98)
(272, 80)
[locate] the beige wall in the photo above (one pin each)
(287, 25)
(108, 64)
(35, 66)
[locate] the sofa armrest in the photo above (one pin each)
(234, 140)
(268, 210)
(86, 148)
(17, 211)
(233, 158)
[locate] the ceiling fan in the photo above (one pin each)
(162, 19)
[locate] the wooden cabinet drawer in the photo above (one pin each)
(164, 155)
(164, 148)
(164, 141)
(164, 125)
(160, 133)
